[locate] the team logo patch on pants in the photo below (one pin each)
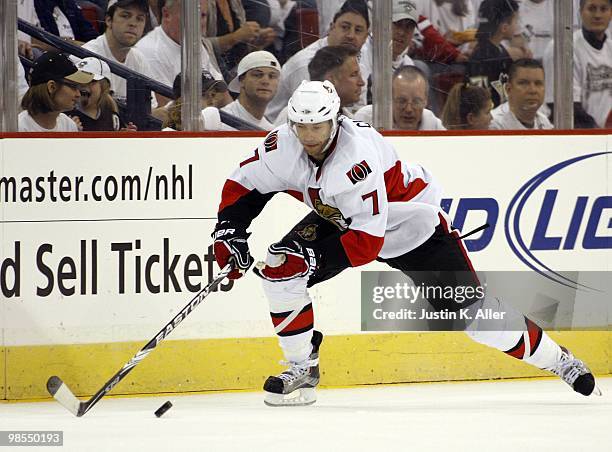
(309, 233)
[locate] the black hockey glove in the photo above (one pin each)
(296, 261)
(231, 243)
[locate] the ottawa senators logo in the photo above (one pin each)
(308, 233)
(330, 213)
(358, 172)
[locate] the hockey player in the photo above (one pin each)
(367, 205)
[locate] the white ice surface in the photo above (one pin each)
(523, 415)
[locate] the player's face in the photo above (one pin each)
(350, 29)
(595, 15)
(260, 84)
(526, 89)
(314, 137)
(481, 119)
(127, 25)
(409, 100)
(348, 81)
(402, 32)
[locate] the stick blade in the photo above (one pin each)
(62, 393)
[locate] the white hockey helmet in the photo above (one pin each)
(312, 103)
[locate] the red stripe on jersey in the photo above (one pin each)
(394, 183)
(296, 194)
(518, 351)
(232, 192)
(361, 247)
(535, 335)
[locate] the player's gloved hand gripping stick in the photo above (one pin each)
(231, 243)
(294, 261)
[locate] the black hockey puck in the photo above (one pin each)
(162, 409)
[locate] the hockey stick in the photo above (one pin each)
(60, 391)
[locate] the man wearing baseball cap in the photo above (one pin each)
(54, 88)
(125, 23)
(213, 90)
(405, 19)
(257, 82)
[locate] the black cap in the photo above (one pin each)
(56, 66)
(208, 81)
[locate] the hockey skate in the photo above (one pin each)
(296, 385)
(575, 373)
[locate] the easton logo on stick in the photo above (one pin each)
(358, 172)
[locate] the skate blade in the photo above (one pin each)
(597, 391)
(299, 397)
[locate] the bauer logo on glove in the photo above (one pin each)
(231, 243)
(287, 261)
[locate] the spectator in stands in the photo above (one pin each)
(214, 97)
(405, 19)
(451, 16)
(125, 22)
(257, 82)
(592, 66)
(537, 25)
(490, 59)
(326, 10)
(467, 107)
(162, 46)
(27, 12)
(525, 89)
(54, 88)
(279, 12)
(260, 11)
(96, 109)
(214, 92)
(410, 97)
(339, 65)
(64, 18)
(350, 29)
(232, 35)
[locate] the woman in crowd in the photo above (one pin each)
(468, 107)
(54, 88)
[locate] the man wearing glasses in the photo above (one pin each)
(410, 88)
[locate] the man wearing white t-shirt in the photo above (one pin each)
(410, 96)
(125, 22)
(525, 89)
(162, 48)
(256, 81)
(349, 28)
(592, 66)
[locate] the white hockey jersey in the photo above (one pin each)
(385, 206)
